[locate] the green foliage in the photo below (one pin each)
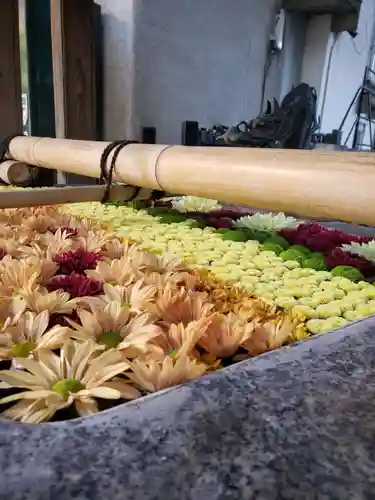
(291, 254)
(272, 247)
(316, 263)
(278, 240)
(257, 234)
(348, 272)
(301, 249)
(171, 218)
(235, 235)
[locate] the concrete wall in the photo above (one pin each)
(292, 56)
(314, 65)
(199, 61)
(118, 24)
(167, 61)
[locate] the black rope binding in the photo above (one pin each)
(4, 146)
(106, 174)
(4, 150)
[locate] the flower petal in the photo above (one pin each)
(103, 392)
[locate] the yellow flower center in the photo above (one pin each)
(67, 386)
(110, 339)
(23, 349)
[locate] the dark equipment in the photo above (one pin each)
(289, 125)
(364, 103)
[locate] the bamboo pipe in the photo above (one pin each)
(61, 195)
(325, 184)
(16, 173)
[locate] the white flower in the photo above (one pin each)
(195, 204)
(366, 250)
(267, 222)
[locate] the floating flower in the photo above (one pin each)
(76, 285)
(136, 297)
(56, 302)
(77, 261)
(267, 222)
(16, 274)
(149, 262)
(184, 279)
(225, 335)
(181, 307)
(114, 326)
(269, 336)
(27, 334)
(151, 375)
(366, 250)
(194, 204)
(118, 271)
(179, 338)
(340, 257)
(56, 382)
(95, 241)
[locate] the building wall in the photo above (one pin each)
(346, 72)
(335, 65)
(199, 61)
(167, 61)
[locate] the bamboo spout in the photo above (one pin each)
(325, 184)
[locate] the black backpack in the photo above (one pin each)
(287, 125)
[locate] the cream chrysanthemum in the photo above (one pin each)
(26, 334)
(56, 382)
(151, 375)
(114, 326)
(119, 272)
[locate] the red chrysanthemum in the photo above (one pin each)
(319, 238)
(338, 257)
(77, 261)
(220, 223)
(77, 285)
(60, 319)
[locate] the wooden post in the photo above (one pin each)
(73, 55)
(10, 70)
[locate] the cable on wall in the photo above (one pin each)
(328, 73)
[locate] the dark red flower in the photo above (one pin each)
(319, 238)
(60, 319)
(221, 223)
(321, 242)
(77, 261)
(77, 285)
(338, 257)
